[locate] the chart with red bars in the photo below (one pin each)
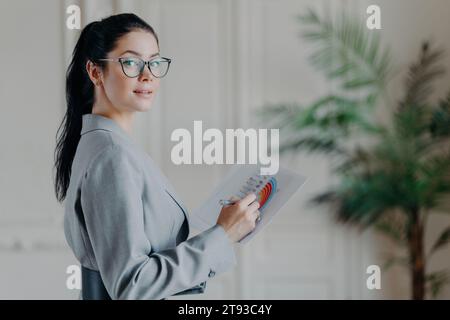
(263, 186)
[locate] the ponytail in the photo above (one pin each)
(95, 41)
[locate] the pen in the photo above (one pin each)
(226, 202)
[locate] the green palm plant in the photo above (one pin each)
(392, 175)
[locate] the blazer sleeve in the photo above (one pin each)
(113, 211)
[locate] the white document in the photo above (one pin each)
(273, 191)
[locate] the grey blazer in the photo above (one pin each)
(124, 219)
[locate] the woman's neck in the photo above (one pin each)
(123, 119)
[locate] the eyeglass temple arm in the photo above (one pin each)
(118, 59)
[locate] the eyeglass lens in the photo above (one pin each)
(132, 66)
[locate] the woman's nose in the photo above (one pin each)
(146, 75)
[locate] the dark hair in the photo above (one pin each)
(96, 40)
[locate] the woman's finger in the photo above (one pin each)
(254, 206)
(248, 199)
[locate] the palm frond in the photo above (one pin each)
(347, 52)
(412, 123)
(360, 200)
(357, 159)
(440, 119)
(441, 241)
(396, 261)
(433, 180)
(312, 144)
(278, 115)
(421, 75)
(393, 225)
(334, 112)
(436, 281)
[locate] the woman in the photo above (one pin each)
(123, 220)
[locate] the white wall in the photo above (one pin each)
(33, 253)
(250, 54)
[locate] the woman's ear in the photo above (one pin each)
(95, 73)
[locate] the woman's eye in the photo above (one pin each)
(130, 63)
(155, 63)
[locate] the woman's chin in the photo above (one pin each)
(143, 106)
(142, 102)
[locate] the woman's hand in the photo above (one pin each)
(239, 218)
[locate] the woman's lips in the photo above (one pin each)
(143, 93)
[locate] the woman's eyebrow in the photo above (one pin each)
(138, 54)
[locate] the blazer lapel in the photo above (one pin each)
(173, 196)
(156, 171)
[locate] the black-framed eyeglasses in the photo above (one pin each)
(132, 67)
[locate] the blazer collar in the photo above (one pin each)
(92, 121)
